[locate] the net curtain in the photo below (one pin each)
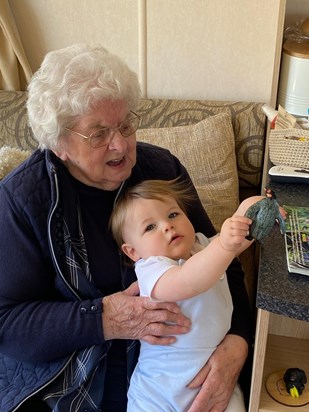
(15, 71)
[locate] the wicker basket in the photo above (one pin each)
(289, 147)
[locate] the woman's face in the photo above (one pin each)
(104, 167)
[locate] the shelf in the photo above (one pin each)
(282, 353)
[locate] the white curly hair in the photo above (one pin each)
(69, 83)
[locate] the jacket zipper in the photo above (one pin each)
(50, 239)
(68, 285)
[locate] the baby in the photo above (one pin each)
(173, 263)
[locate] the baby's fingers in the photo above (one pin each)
(240, 227)
(241, 219)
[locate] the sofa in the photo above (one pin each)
(220, 143)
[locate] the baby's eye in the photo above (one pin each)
(172, 215)
(149, 227)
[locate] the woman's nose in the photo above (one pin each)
(117, 142)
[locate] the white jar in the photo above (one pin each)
(293, 92)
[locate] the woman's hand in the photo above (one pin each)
(219, 376)
(127, 316)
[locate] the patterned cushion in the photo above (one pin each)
(248, 120)
(14, 130)
(207, 150)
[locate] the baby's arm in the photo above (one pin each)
(204, 268)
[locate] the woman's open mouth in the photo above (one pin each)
(116, 162)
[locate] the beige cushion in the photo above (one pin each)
(10, 158)
(248, 120)
(207, 150)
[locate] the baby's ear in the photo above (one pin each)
(130, 252)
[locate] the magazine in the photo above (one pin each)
(297, 239)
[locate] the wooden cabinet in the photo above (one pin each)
(281, 343)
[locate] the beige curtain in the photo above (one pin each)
(15, 71)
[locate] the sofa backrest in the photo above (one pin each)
(248, 120)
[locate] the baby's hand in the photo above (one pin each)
(245, 204)
(234, 231)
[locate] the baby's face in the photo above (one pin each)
(157, 228)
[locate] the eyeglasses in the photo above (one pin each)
(104, 136)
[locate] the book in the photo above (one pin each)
(297, 239)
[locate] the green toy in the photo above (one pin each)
(264, 214)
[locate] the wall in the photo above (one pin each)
(222, 49)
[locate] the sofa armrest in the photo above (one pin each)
(14, 129)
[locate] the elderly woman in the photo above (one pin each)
(70, 312)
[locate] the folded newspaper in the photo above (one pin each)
(297, 239)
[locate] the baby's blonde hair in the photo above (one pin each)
(149, 189)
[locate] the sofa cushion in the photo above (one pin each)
(248, 120)
(207, 150)
(10, 158)
(14, 129)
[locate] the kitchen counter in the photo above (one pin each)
(278, 290)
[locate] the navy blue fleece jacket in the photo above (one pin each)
(43, 318)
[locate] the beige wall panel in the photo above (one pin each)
(212, 49)
(219, 49)
(46, 25)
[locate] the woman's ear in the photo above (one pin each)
(61, 154)
(129, 250)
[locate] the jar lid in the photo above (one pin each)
(297, 49)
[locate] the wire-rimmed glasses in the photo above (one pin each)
(104, 136)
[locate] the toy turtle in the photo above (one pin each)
(264, 214)
(295, 380)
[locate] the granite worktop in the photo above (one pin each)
(279, 291)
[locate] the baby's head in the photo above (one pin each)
(177, 194)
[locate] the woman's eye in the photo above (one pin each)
(126, 128)
(100, 134)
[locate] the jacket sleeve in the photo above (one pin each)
(241, 318)
(38, 323)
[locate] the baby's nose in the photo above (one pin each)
(168, 227)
